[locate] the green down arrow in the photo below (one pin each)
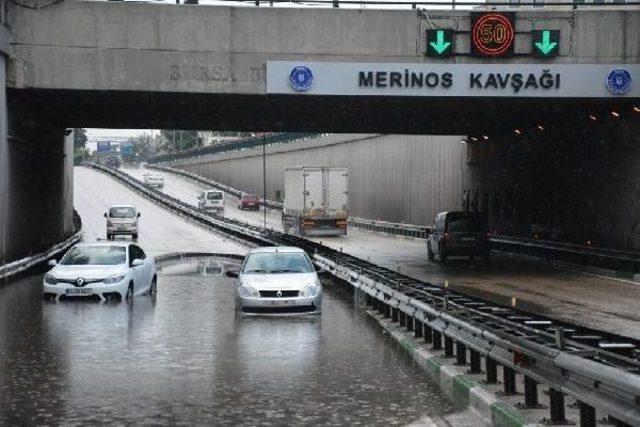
(440, 45)
(546, 46)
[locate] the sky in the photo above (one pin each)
(96, 132)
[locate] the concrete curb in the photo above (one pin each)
(460, 388)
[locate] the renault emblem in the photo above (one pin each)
(80, 281)
(279, 294)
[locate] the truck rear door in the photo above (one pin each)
(337, 194)
(313, 197)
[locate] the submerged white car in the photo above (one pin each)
(105, 271)
(277, 280)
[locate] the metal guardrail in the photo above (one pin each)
(571, 253)
(579, 363)
(225, 147)
(24, 264)
(214, 184)
(395, 228)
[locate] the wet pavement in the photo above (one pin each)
(597, 302)
(184, 357)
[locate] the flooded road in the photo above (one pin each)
(186, 358)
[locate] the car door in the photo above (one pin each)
(147, 269)
(137, 272)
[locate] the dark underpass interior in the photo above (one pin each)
(563, 168)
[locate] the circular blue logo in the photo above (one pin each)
(301, 78)
(618, 81)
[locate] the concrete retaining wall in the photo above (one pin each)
(394, 178)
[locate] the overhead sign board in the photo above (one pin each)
(439, 43)
(103, 146)
(457, 80)
(545, 43)
(126, 148)
(492, 34)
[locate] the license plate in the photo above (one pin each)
(284, 302)
(80, 291)
(468, 239)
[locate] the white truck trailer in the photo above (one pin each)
(316, 201)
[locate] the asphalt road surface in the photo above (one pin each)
(596, 302)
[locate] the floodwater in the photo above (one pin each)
(185, 357)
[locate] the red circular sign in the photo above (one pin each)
(492, 34)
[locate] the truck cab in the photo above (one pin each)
(211, 201)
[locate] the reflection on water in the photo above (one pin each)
(186, 357)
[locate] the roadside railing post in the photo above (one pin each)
(530, 393)
(437, 340)
(556, 406)
(394, 314)
(476, 367)
(409, 323)
(509, 379)
(448, 346)
(428, 334)
(461, 354)
(587, 415)
(403, 318)
(417, 328)
(492, 371)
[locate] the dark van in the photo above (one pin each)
(459, 234)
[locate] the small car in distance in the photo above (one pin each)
(248, 201)
(106, 271)
(459, 234)
(277, 280)
(153, 179)
(211, 200)
(122, 220)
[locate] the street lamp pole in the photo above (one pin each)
(264, 180)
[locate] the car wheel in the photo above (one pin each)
(153, 289)
(129, 295)
(430, 254)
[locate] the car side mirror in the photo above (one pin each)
(105, 215)
(137, 262)
(138, 214)
(52, 263)
(232, 273)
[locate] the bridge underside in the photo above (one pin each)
(400, 115)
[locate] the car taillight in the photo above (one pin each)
(308, 223)
(446, 236)
(341, 224)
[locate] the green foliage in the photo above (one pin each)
(79, 138)
(178, 140)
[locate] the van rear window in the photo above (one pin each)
(214, 195)
(466, 222)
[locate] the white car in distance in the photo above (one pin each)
(106, 271)
(277, 280)
(153, 179)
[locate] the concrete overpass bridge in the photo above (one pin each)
(124, 65)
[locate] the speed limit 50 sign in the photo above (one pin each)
(492, 34)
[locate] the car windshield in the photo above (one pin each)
(277, 262)
(95, 255)
(466, 222)
(248, 197)
(214, 195)
(122, 212)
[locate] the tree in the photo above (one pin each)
(79, 138)
(178, 140)
(80, 152)
(142, 146)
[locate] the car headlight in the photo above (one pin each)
(114, 279)
(248, 291)
(50, 280)
(311, 290)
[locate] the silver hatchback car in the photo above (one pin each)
(277, 280)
